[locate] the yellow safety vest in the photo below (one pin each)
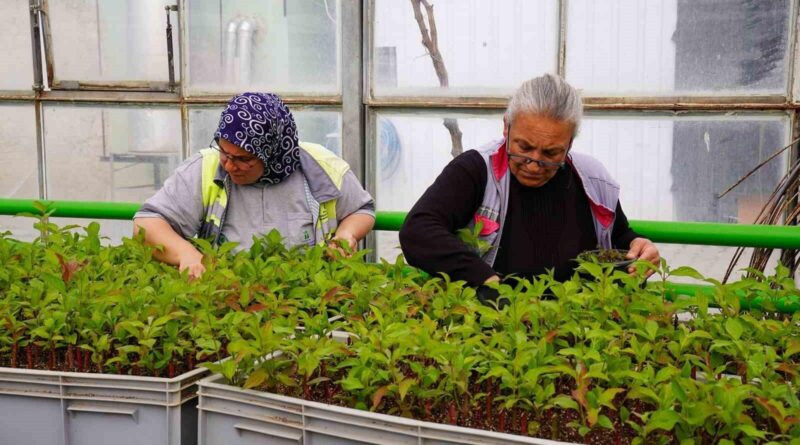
(215, 195)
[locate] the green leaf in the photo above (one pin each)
(228, 369)
(377, 396)
(42, 206)
(686, 271)
(666, 373)
(751, 431)
(792, 349)
(227, 247)
(624, 414)
(595, 270)
(643, 393)
(662, 420)
(565, 402)
(696, 415)
(351, 384)
(734, 328)
(605, 422)
(403, 386)
(608, 395)
(652, 329)
(255, 379)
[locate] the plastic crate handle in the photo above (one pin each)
(101, 409)
(241, 427)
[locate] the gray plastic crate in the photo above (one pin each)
(73, 408)
(229, 415)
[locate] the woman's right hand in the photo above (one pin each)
(192, 262)
(174, 249)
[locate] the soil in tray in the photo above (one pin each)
(615, 257)
(74, 359)
(553, 423)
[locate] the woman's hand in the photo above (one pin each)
(192, 262)
(643, 249)
(351, 230)
(346, 236)
(174, 249)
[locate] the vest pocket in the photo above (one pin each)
(488, 226)
(299, 230)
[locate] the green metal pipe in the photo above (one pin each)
(719, 234)
(389, 220)
(72, 209)
(713, 234)
(787, 305)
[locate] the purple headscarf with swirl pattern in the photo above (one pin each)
(262, 125)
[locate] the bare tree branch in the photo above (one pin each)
(780, 208)
(430, 40)
(755, 169)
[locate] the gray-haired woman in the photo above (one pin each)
(552, 206)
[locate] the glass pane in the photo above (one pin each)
(272, 45)
(16, 61)
(112, 40)
(668, 168)
(487, 48)
(322, 127)
(110, 154)
(674, 47)
(19, 175)
(673, 169)
(412, 149)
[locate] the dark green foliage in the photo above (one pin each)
(601, 351)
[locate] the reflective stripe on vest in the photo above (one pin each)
(215, 198)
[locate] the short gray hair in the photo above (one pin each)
(547, 95)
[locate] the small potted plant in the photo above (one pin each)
(616, 257)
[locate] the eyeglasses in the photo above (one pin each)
(242, 162)
(528, 160)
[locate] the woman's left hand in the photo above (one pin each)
(349, 238)
(351, 229)
(643, 249)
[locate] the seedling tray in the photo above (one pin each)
(233, 416)
(73, 408)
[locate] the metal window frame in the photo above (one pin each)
(358, 104)
(661, 102)
(788, 103)
(54, 83)
(135, 93)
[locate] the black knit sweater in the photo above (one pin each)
(545, 228)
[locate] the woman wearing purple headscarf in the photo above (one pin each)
(256, 176)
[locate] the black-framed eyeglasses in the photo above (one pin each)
(527, 160)
(242, 162)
